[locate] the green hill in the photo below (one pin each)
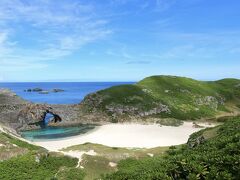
(167, 97)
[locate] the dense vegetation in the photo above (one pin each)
(217, 157)
(167, 97)
(11, 140)
(27, 167)
(20, 160)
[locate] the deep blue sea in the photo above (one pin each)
(74, 92)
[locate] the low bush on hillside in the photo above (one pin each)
(18, 142)
(46, 167)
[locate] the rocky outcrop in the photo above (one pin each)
(9, 97)
(118, 109)
(34, 90)
(194, 142)
(211, 101)
(10, 106)
(119, 112)
(57, 90)
(93, 101)
(34, 114)
(42, 91)
(20, 114)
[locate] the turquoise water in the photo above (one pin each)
(49, 133)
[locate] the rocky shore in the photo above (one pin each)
(20, 114)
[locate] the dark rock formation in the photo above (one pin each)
(44, 92)
(37, 89)
(194, 142)
(34, 114)
(33, 90)
(57, 90)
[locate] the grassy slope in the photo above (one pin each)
(218, 157)
(20, 160)
(94, 166)
(186, 98)
(12, 147)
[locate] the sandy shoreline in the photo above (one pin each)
(127, 135)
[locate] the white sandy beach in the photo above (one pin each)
(127, 135)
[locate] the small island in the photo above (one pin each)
(42, 91)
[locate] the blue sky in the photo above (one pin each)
(118, 40)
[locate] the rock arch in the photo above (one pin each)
(33, 115)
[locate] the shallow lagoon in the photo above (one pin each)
(49, 133)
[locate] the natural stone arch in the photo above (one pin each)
(33, 115)
(50, 117)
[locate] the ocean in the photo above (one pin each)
(73, 93)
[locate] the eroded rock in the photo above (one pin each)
(194, 142)
(34, 115)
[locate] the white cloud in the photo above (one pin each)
(120, 52)
(196, 45)
(4, 49)
(41, 12)
(57, 29)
